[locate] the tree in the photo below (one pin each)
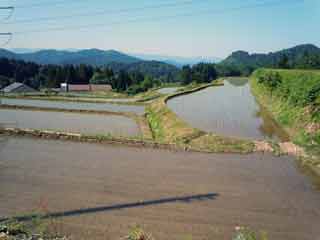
(85, 73)
(284, 62)
(122, 81)
(186, 75)
(137, 77)
(204, 72)
(147, 83)
(52, 72)
(4, 81)
(309, 61)
(71, 74)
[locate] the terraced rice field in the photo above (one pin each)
(230, 110)
(74, 105)
(69, 122)
(100, 192)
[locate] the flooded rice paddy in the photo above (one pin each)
(169, 90)
(69, 122)
(74, 105)
(229, 110)
(100, 192)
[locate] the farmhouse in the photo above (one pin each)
(18, 88)
(65, 87)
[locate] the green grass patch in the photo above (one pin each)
(293, 98)
(165, 124)
(214, 143)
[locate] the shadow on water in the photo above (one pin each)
(184, 199)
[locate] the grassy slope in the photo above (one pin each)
(297, 118)
(165, 125)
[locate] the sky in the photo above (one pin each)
(186, 28)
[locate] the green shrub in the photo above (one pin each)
(271, 79)
(297, 87)
(247, 234)
(294, 101)
(138, 234)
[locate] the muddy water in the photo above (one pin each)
(74, 105)
(69, 122)
(229, 110)
(168, 90)
(105, 190)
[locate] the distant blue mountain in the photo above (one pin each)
(24, 50)
(99, 57)
(94, 57)
(177, 61)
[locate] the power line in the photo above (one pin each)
(103, 12)
(6, 8)
(7, 34)
(9, 38)
(207, 11)
(48, 3)
(10, 9)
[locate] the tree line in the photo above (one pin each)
(306, 61)
(51, 76)
(132, 82)
(199, 73)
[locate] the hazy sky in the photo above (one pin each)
(168, 27)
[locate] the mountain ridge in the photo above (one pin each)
(270, 59)
(98, 58)
(93, 57)
(177, 61)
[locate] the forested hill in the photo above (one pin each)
(94, 57)
(301, 56)
(160, 70)
(98, 58)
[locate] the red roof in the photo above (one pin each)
(79, 87)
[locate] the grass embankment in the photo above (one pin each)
(168, 128)
(293, 98)
(79, 98)
(147, 96)
(37, 229)
(153, 93)
(94, 97)
(46, 93)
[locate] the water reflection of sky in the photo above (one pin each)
(70, 122)
(229, 110)
(75, 105)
